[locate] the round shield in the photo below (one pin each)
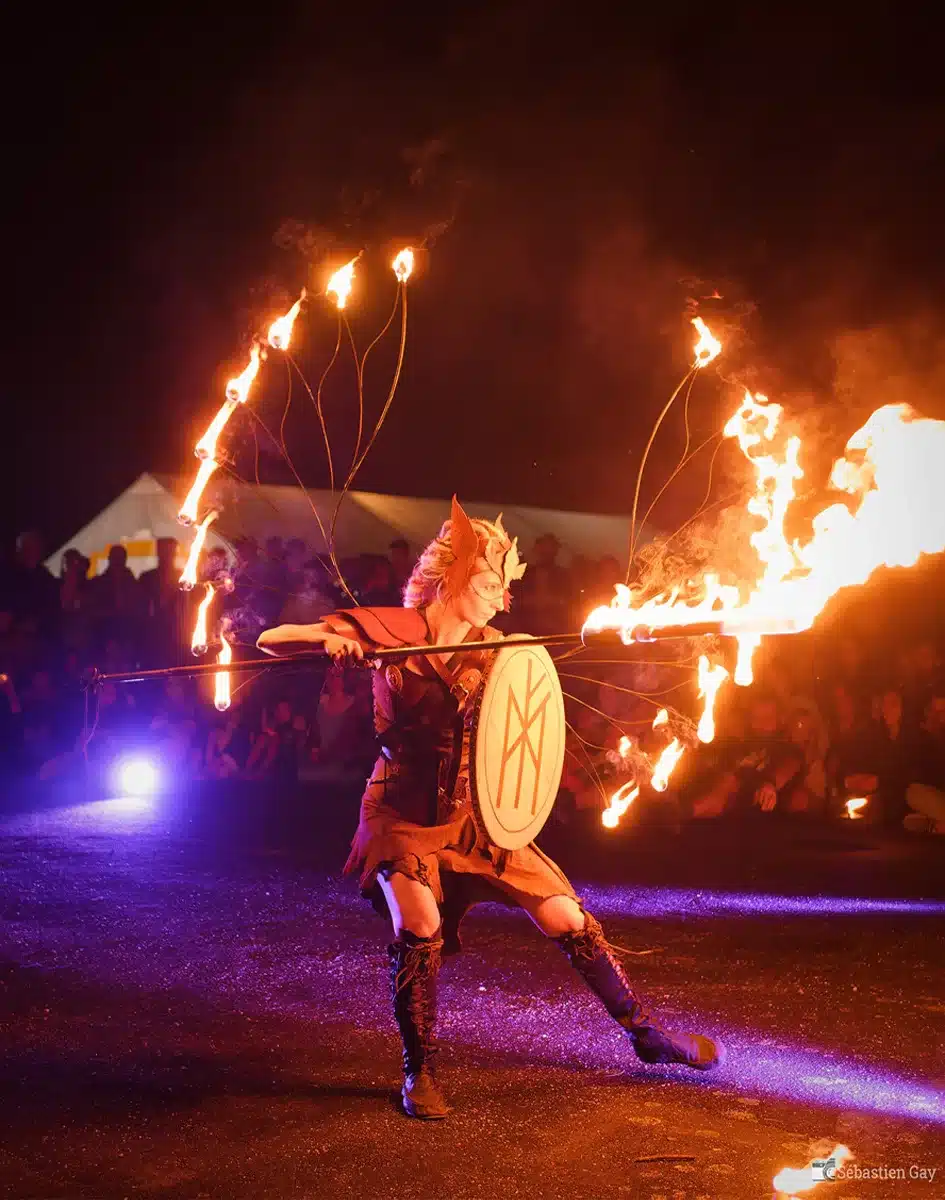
(516, 748)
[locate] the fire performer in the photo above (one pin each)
(421, 856)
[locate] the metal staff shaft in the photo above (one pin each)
(313, 657)
(608, 637)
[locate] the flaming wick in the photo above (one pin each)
(403, 265)
(237, 389)
(666, 764)
(620, 801)
(280, 331)
(340, 283)
(221, 680)
(188, 579)
(188, 511)
(707, 347)
(198, 642)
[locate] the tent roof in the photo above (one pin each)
(367, 523)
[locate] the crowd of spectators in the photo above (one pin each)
(844, 713)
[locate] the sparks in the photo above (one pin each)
(340, 283)
(198, 641)
(403, 265)
(707, 347)
(280, 331)
(188, 579)
(221, 680)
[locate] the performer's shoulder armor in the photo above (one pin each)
(386, 627)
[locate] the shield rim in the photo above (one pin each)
(533, 829)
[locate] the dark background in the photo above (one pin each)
(582, 181)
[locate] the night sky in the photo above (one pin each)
(580, 186)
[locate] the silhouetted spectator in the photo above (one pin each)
(545, 591)
(32, 591)
(164, 607)
(401, 562)
(378, 589)
(115, 600)
(311, 601)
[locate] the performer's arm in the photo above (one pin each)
(339, 640)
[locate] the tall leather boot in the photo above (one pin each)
(596, 962)
(414, 963)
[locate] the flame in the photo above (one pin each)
(666, 764)
(237, 389)
(747, 645)
(221, 680)
(188, 510)
(620, 801)
(188, 579)
(280, 331)
(792, 1180)
(403, 265)
(854, 805)
(198, 642)
(340, 283)
(207, 446)
(894, 516)
(707, 347)
(710, 680)
(661, 718)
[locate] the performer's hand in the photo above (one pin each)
(339, 649)
(766, 797)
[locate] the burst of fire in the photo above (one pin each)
(403, 265)
(854, 806)
(199, 640)
(221, 680)
(661, 718)
(891, 512)
(188, 579)
(711, 679)
(794, 1180)
(707, 347)
(188, 510)
(280, 331)
(340, 283)
(237, 389)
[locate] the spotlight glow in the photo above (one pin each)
(136, 777)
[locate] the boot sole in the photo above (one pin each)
(720, 1055)
(418, 1114)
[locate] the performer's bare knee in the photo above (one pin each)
(556, 915)
(412, 905)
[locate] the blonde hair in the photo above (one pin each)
(427, 580)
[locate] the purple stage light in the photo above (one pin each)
(809, 1076)
(136, 777)
(691, 902)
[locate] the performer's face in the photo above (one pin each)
(482, 598)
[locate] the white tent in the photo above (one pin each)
(367, 524)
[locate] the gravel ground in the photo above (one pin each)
(193, 1003)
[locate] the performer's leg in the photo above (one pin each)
(414, 962)
(581, 938)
